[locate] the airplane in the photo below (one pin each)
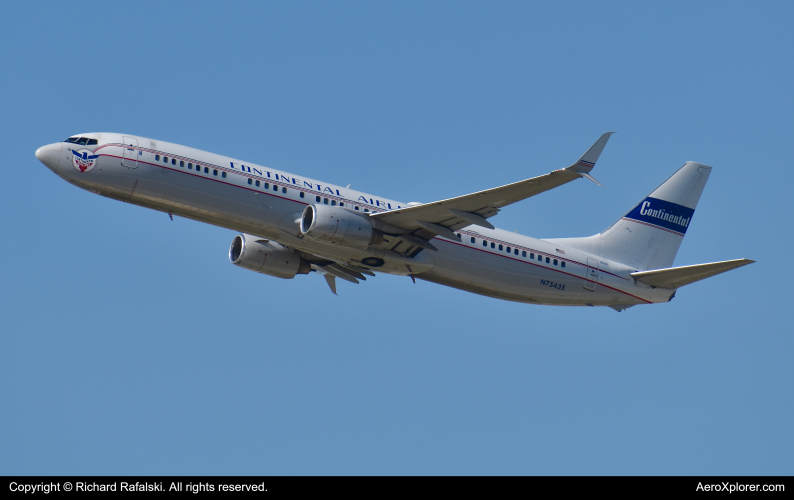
(291, 225)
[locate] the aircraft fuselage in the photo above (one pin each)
(267, 203)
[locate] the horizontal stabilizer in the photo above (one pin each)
(675, 277)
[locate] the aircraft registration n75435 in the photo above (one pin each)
(292, 225)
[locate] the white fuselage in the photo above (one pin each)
(223, 191)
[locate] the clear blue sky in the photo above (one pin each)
(130, 344)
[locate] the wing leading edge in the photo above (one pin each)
(443, 217)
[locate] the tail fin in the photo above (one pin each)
(649, 235)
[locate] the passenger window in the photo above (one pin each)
(284, 190)
(508, 249)
(555, 262)
(516, 251)
(493, 245)
(214, 172)
(325, 201)
(257, 183)
(190, 166)
(366, 210)
(165, 159)
(181, 163)
(484, 243)
(303, 195)
(275, 188)
(317, 198)
(223, 174)
(250, 182)
(173, 161)
(540, 257)
(206, 170)
(267, 185)
(340, 203)
(500, 248)
(472, 239)
(157, 157)
(562, 263)
(548, 260)
(333, 203)
(92, 142)
(356, 208)
(531, 256)
(523, 253)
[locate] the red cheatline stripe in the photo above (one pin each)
(548, 268)
(653, 226)
(226, 169)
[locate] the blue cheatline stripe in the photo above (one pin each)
(664, 214)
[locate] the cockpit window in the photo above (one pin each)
(82, 141)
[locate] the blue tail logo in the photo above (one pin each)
(662, 214)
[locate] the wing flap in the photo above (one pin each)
(675, 277)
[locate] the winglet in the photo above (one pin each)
(589, 159)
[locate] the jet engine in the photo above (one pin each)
(338, 226)
(266, 257)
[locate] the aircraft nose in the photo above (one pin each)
(50, 155)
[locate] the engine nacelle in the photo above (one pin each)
(266, 257)
(338, 226)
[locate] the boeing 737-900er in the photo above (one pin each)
(293, 225)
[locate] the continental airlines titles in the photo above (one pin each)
(308, 185)
(661, 214)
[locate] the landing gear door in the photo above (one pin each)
(591, 274)
(131, 152)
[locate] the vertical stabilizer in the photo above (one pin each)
(649, 235)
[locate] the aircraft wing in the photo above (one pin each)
(445, 216)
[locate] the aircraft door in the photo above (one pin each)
(591, 274)
(130, 156)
